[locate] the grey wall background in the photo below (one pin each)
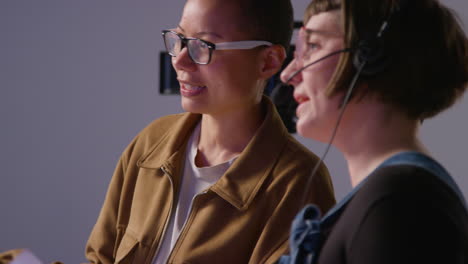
(79, 79)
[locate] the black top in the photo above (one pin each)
(401, 214)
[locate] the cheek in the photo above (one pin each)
(233, 72)
(318, 121)
(318, 77)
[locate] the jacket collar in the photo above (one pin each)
(172, 144)
(244, 178)
(241, 183)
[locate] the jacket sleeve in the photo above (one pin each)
(106, 234)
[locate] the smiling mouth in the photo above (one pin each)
(191, 90)
(301, 99)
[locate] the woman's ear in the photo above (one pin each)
(272, 60)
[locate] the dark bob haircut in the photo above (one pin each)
(425, 48)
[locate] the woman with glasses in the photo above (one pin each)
(219, 183)
(366, 74)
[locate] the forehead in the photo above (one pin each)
(325, 23)
(221, 17)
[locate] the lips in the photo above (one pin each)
(300, 99)
(187, 89)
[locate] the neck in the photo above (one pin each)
(380, 133)
(223, 137)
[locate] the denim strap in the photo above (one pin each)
(305, 238)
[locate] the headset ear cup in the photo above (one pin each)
(372, 52)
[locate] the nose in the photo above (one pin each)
(183, 61)
(286, 75)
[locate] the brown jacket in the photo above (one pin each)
(245, 217)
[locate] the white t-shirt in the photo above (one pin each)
(195, 180)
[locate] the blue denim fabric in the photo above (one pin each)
(305, 238)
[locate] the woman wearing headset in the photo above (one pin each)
(409, 61)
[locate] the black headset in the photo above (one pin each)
(371, 51)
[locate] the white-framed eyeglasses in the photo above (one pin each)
(200, 50)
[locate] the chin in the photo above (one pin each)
(193, 107)
(188, 106)
(303, 129)
(307, 130)
(304, 132)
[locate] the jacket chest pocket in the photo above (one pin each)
(127, 250)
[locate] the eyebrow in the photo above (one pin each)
(310, 31)
(203, 33)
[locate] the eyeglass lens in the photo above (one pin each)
(173, 43)
(199, 51)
